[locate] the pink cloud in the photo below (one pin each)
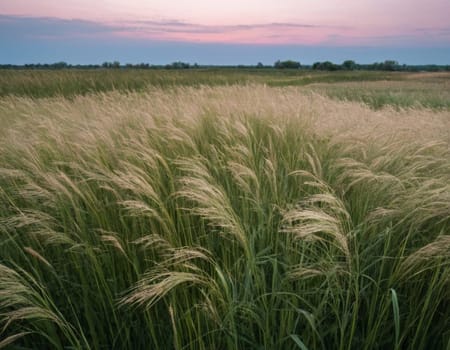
(271, 33)
(265, 33)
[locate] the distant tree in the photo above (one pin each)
(58, 65)
(259, 65)
(178, 65)
(386, 65)
(115, 64)
(289, 64)
(349, 65)
(316, 66)
(330, 66)
(390, 65)
(327, 65)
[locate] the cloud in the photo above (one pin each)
(160, 30)
(275, 33)
(36, 27)
(185, 27)
(414, 38)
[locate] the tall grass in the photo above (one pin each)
(242, 217)
(415, 91)
(374, 88)
(72, 82)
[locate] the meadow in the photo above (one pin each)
(224, 210)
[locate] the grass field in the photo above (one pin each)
(224, 211)
(377, 89)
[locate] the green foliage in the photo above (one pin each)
(432, 94)
(69, 83)
(387, 65)
(349, 65)
(327, 65)
(289, 64)
(186, 227)
(178, 65)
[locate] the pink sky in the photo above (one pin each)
(331, 22)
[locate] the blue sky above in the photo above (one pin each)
(31, 39)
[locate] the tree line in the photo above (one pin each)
(347, 65)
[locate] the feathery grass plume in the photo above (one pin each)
(245, 178)
(24, 300)
(315, 224)
(37, 256)
(29, 218)
(128, 195)
(354, 172)
(146, 197)
(321, 216)
(210, 200)
(314, 162)
(188, 275)
(153, 287)
(423, 280)
(113, 239)
(154, 241)
(429, 257)
(11, 339)
(178, 268)
(301, 272)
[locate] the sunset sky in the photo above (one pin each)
(224, 32)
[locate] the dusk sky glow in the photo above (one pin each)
(160, 31)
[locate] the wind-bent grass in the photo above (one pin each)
(72, 82)
(430, 90)
(241, 217)
(374, 88)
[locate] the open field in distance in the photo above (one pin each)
(228, 211)
(377, 89)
